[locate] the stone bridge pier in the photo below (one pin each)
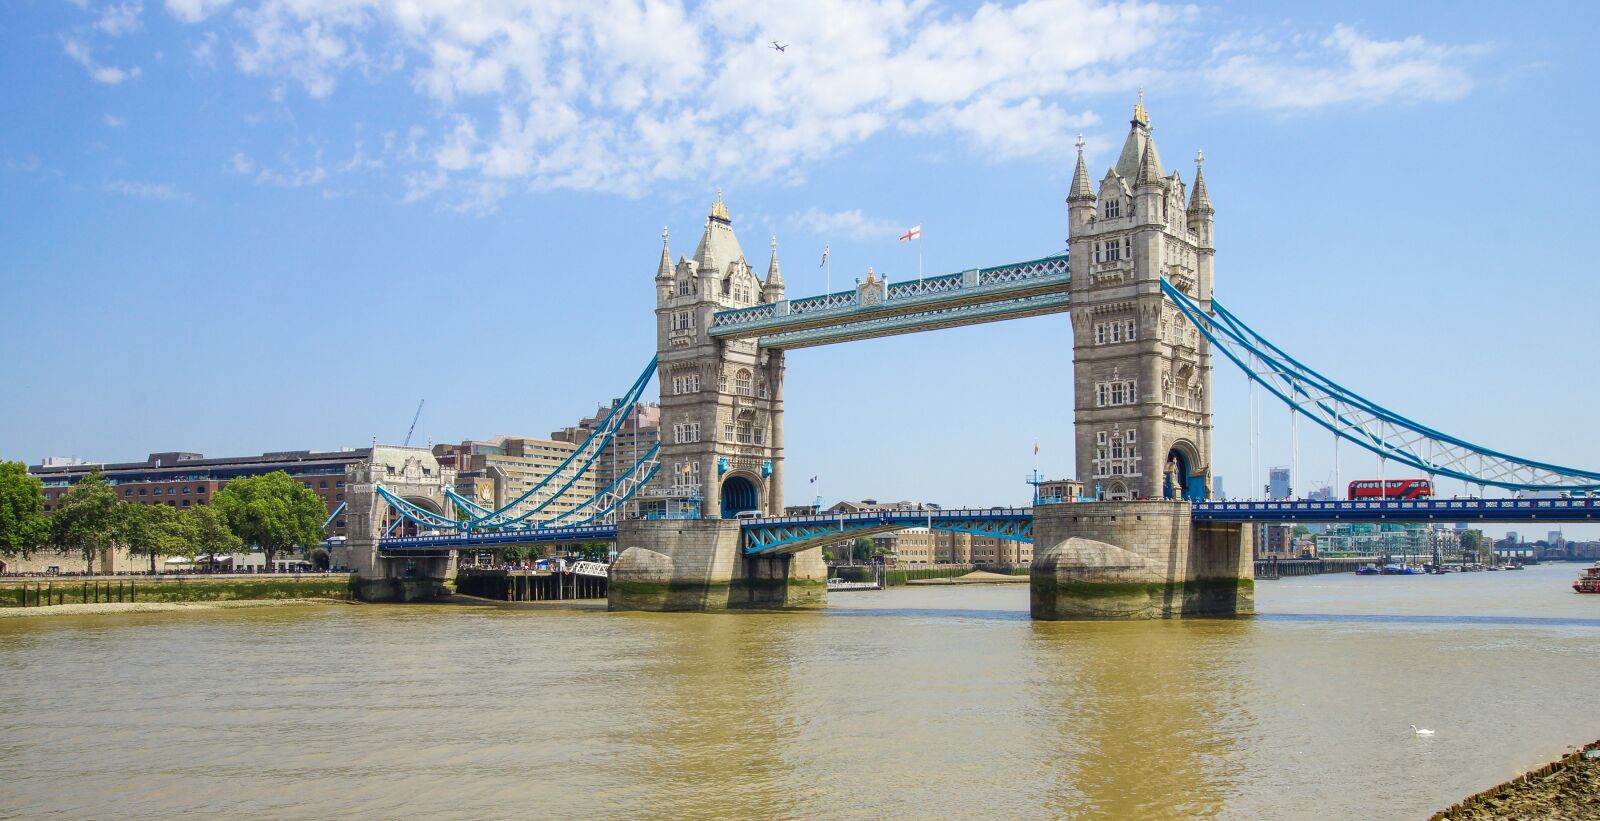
(414, 475)
(699, 564)
(1138, 560)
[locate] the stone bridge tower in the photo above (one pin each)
(721, 401)
(416, 476)
(1142, 372)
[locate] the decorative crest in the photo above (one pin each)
(1140, 116)
(720, 211)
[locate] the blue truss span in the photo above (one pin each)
(1445, 511)
(776, 535)
(1357, 419)
(881, 308)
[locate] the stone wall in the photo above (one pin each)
(1136, 560)
(679, 564)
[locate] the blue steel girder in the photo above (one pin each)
(498, 538)
(791, 534)
(1444, 511)
(1022, 287)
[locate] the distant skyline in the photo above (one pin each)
(243, 227)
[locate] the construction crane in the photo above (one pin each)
(414, 418)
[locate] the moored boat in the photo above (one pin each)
(1589, 580)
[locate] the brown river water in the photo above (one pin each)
(934, 702)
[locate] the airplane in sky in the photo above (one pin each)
(776, 47)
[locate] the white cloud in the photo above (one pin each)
(117, 19)
(110, 75)
(1343, 67)
(625, 95)
(851, 224)
(205, 53)
(113, 121)
(147, 190)
(193, 11)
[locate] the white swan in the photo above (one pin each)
(1420, 731)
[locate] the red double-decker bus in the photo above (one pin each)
(1391, 489)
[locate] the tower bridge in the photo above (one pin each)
(1137, 280)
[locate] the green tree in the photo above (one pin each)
(155, 530)
(86, 521)
(209, 533)
(272, 512)
(23, 526)
(593, 551)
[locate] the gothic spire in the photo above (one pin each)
(1149, 164)
(704, 260)
(1081, 191)
(773, 275)
(664, 270)
(1199, 200)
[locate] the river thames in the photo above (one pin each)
(933, 702)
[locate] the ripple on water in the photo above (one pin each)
(943, 702)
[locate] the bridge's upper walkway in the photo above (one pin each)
(880, 308)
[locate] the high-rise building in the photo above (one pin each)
(633, 440)
(1278, 483)
(1217, 491)
(494, 472)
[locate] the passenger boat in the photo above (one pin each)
(1401, 569)
(1367, 570)
(1589, 580)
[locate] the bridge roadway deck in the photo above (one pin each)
(786, 534)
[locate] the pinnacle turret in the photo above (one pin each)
(664, 270)
(1149, 165)
(1199, 200)
(773, 274)
(1081, 191)
(703, 259)
(772, 288)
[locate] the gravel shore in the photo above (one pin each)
(1563, 790)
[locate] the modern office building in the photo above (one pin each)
(640, 433)
(499, 470)
(1278, 483)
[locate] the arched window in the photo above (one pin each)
(741, 382)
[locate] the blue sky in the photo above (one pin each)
(234, 227)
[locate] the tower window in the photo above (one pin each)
(741, 383)
(1116, 392)
(1113, 208)
(682, 320)
(683, 287)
